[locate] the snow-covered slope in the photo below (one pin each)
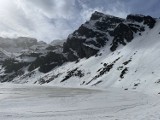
(125, 54)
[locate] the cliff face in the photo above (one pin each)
(21, 55)
(98, 31)
(92, 35)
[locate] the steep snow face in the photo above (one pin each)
(134, 66)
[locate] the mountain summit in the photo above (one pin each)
(104, 51)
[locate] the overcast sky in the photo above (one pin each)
(54, 19)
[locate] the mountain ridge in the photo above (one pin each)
(104, 51)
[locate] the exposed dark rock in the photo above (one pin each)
(148, 20)
(103, 70)
(71, 56)
(126, 89)
(135, 18)
(30, 55)
(12, 65)
(104, 22)
(44, 80)
(74, 44)
(89, 51)
(97, 83)
(120, 68)
(105, 64)
(89, 38)
(81, 46)
(121, 33)
(92, 35)
(11, 76)
(123, 73)
(136, 84)
(83, 83)
(158, 81)
(28, 75)
(127, 62)
(72, 73)
(13, 69)
(48, 62)
(96, 15)
(136, 28)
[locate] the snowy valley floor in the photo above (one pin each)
(19, 102)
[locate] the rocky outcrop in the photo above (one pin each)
(48, 62)
(12, 65)
(146, 20)
(95, 33)
(122, 34)
(91, 36)
(104, 22)
(13, 69)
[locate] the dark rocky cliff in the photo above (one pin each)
(95, 34)
(100, 31)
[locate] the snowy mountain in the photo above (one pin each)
(105, 51)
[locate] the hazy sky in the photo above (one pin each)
(54, 19)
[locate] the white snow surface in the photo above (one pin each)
(24, 102)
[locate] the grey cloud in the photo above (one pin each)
(55, 19)
(147, 7)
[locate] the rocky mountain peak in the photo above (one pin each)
(91, 36)
(95, 33)
(100, 32)
(146, 20)
(98, 15)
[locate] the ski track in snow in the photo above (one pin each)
(26, 102)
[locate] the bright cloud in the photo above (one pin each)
(54, 19)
